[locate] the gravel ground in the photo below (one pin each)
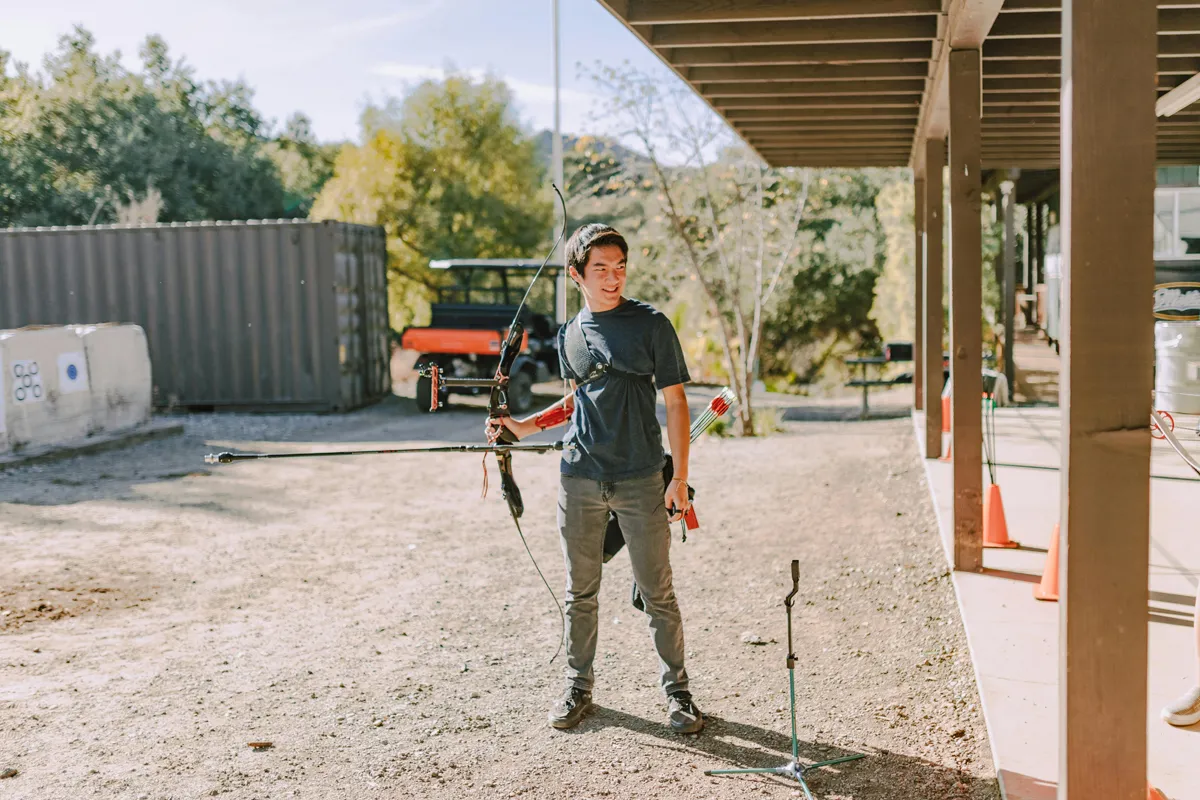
(383, 628)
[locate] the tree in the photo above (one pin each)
(449, 172)
(304, 164)
(88, 136)
(769, 249)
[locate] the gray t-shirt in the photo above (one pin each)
(614, 433)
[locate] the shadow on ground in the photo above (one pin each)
(726, 744)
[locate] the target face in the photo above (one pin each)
(26, 379)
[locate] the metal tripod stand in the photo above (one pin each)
(793, 769)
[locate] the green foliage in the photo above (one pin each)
(776, 267)
(894, 291)
(448, 172)
(84, 136)
(304, 164)
(842, 251)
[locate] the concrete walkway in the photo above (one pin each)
(1014, 638)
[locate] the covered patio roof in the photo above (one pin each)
(856, 83)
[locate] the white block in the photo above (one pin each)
(37, 410)
(118, 370)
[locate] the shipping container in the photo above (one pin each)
(277, 315)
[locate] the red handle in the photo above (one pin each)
(435, 386)
(690, 520)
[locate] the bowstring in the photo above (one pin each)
(516, 317)
(561, 614)
(562, 232)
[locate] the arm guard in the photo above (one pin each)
(554, 416)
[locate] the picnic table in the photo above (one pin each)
(863, 362)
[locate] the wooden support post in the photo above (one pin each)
(918, 291)
(1010, 281)
(935, 162)
(1108, 150)
(966, 306)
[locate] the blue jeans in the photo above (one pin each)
(583, 507)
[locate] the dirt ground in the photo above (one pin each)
(383, 628)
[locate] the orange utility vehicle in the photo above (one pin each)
(469, 322)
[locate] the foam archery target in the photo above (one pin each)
(27, 382)
(72, 373)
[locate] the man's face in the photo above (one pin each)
(603, 278)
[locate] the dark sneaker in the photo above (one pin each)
(569, 710)
(684, 716)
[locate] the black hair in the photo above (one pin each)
(594, 234)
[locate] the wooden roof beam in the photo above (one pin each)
(1018, 98)
(965, 26)
(741, 34)
(1178, 20)
(1023, 68)
(993, 84)
(753, 127)
(797, 54)
(832, 163)
(788, 73)
(1171, 45)
(804, 88)
(1051, 66)
(663, 12)
(620, 10)
(799, 114)
(880, 101)
(879, 145)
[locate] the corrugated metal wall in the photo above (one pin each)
(271, 315)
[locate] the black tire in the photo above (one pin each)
(424, 394)
(520, 393)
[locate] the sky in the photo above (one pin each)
(329, 59)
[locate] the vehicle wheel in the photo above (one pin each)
(424, 394)
(520, 393)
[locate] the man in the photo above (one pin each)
(1186, 709)
(615, 353)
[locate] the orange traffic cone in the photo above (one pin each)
(995, 528)
(1048, 588)
(945, 413)
(946, 456)
(1154, 794)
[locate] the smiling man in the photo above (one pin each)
(617, 354)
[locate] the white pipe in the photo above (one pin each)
(1179, 98)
